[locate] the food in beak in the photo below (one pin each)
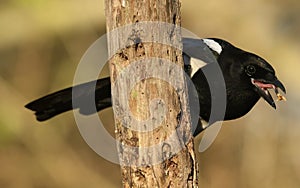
(262, 89)
(279, 96)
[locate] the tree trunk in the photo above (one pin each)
(152, 122)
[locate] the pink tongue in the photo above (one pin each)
(264, 86)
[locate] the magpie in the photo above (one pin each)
(247, 77)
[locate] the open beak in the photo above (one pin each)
(262, 89)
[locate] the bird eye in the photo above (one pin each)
(250, 70)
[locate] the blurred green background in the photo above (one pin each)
(41, 43)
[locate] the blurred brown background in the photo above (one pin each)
(41, 43)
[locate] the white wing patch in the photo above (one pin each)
(213, 45)
(196, 64)
(204, 123)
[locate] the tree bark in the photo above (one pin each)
(152, 123)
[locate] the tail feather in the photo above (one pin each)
(72, 98)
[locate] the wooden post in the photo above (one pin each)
(146, 152)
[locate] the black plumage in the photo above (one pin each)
(61, 101)
(247, 78)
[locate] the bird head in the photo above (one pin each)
(249, 70)
(263, 78)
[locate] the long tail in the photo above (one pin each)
(83, 95)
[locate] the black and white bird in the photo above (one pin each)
(247, 77)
